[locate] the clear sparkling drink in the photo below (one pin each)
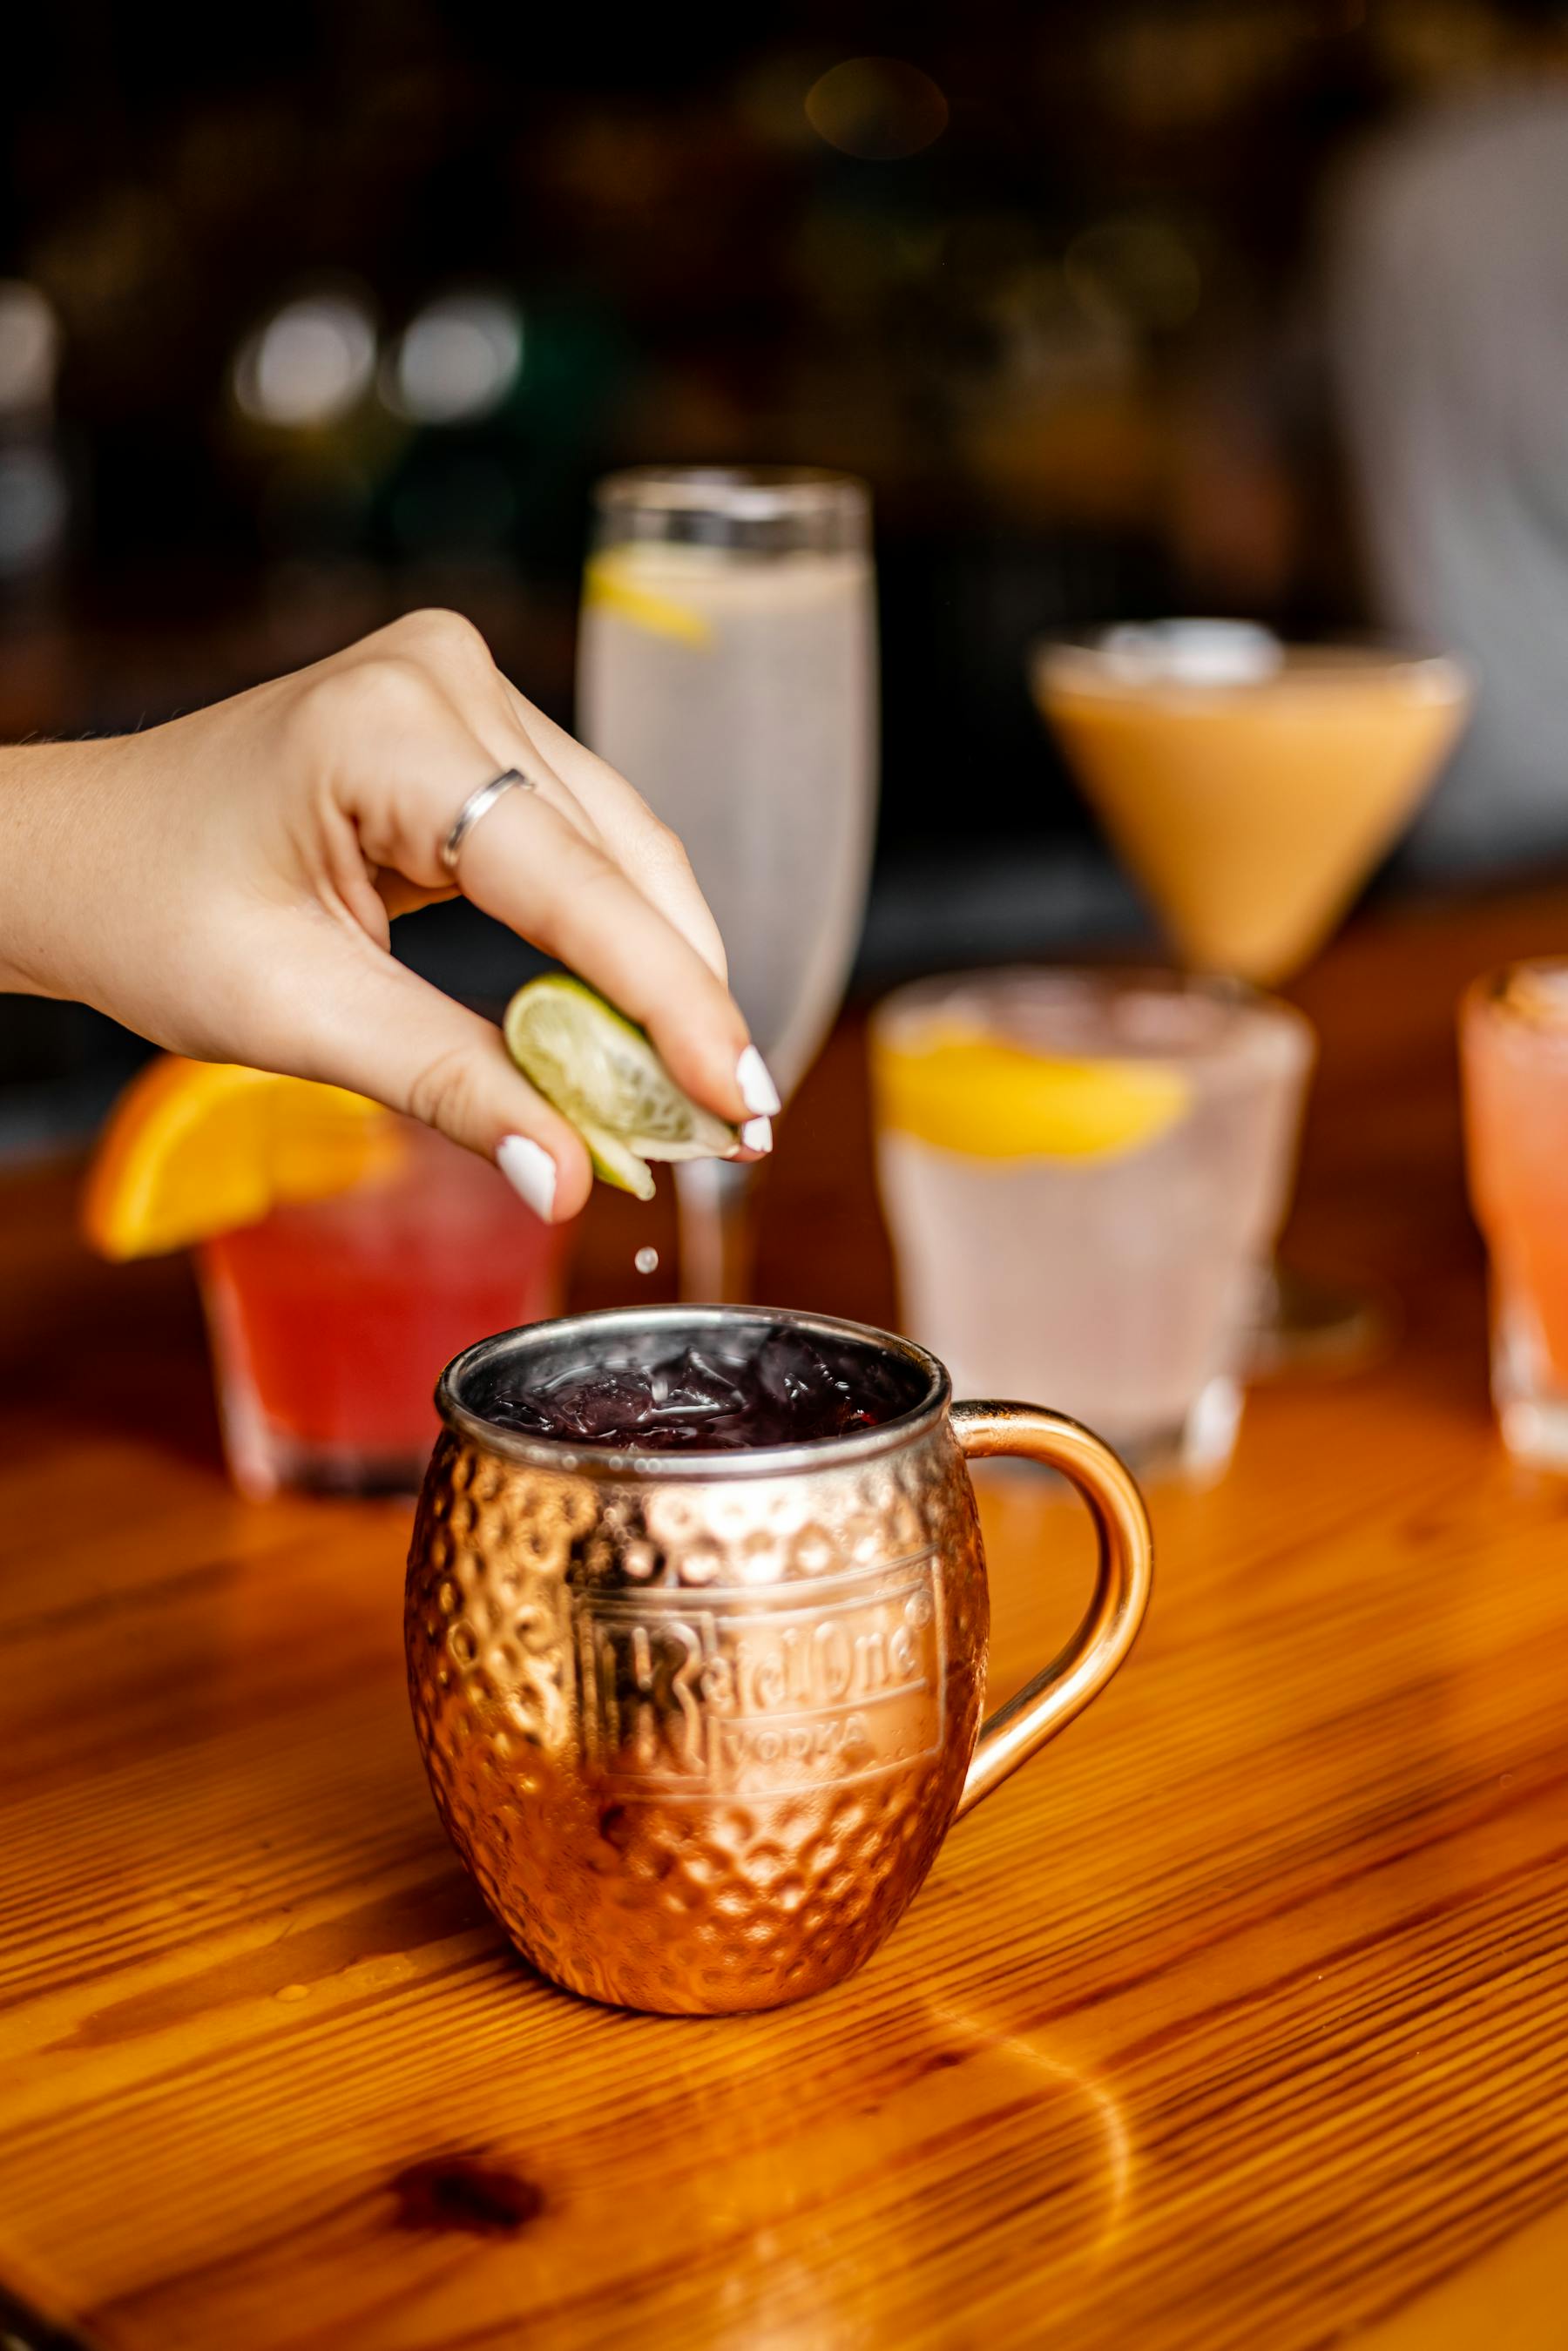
(1084, 1174)
(732, 678)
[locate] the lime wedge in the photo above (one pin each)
(611, 584)
(600, 1072)
(965, 1091)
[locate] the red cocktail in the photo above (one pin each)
(330, 1321)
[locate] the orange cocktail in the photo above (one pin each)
(1513, 1037)
(1249, 787)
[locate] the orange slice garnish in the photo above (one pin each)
(194, 1148)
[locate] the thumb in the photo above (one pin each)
(378, 1029)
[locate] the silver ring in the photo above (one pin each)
(477, 805)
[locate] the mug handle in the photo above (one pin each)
(1122, 1581)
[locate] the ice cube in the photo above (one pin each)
(695, 1383)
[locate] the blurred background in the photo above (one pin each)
(315, 314)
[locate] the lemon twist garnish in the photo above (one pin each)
(607, 584)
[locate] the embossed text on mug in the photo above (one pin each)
(762, 1693)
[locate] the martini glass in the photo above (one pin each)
(1250, 788)
(727, 666)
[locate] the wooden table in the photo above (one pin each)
(1236, 2020)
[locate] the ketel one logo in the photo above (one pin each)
(783, 1689)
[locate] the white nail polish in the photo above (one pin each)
(757, 1090)
(758, 1135)
(529, 1170)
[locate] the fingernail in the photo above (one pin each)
(757, 1090)
(529, 1170)
(758, 1135)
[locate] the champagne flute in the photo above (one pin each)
(727, 666)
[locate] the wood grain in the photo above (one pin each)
(1236, 2020)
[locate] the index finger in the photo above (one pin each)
(531, 869)
(653, 855)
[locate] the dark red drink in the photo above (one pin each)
(752, 1386)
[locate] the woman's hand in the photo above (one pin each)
(224, 884)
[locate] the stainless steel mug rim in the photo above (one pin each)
(759, 1461)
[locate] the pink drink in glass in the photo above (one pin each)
(1513, 1039)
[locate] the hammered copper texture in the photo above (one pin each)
(698, 1741)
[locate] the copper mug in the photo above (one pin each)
(697, 1723)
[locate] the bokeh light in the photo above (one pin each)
(34, 508)
(29, 346)
(309, 363)
(457, 361)
(878, 108)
